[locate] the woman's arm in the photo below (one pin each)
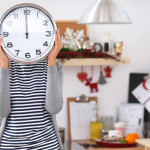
(4, 84)
(54, 92)
(4, 93)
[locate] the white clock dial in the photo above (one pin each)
(28, 33)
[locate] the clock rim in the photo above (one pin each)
(46, 13)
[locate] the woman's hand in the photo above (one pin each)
(4, 60)
(58, 46)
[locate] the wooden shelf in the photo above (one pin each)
(93, 61)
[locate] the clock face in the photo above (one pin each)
(28, 33)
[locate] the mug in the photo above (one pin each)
(120, 126)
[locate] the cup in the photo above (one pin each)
(120, 126)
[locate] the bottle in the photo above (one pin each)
(87, 44)
(95, 124)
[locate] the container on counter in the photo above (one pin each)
(107, 123)
(120, 126)
(87, 44)
(104, 132)
(95, 124)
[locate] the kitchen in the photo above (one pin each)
(135, 37)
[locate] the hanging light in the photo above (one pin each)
(104, 12)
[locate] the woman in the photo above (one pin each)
(30, 96)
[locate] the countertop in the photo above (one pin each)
(144, 142)
(74, 145)
(70, 145)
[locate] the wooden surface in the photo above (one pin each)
(93, 61)
(70, 145)
(144, 142)
(72, 24)
(73, 99)
(139, 147)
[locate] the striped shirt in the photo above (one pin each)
(29, 125)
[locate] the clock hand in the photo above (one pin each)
(26, 21)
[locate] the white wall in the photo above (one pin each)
(136, 39)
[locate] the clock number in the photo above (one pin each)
(15, 16)
(27, 55)
(9, 45)
(45, 44)
(27, 12)
(45, 22)
(17, 51)
(37, 14)
(48, 33)
(9, 23)
(38, 52)
(5, 34)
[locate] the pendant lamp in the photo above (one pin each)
(105, 12)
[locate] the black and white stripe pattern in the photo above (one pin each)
(29, 125)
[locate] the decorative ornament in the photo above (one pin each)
(108, 71)
(102, 79)
(107, 41)
(87, 44)
(82, 76)
(67, 53)
(72, 39)
(144, 85)
(91, 85)
(118, 47)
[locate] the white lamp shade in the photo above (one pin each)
(104, 12)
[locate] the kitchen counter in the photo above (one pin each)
(74, 145)
(144, 142)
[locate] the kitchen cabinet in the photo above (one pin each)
(93, 61)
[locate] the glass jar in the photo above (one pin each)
(87, 44)
(107, 123)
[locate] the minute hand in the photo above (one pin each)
(26, 21)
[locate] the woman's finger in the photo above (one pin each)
(56, 42)
(59, 40)
(0, 43)
(0, 40)
(58, 34)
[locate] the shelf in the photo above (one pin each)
(93, 61)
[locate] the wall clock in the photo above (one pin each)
(28, 33)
